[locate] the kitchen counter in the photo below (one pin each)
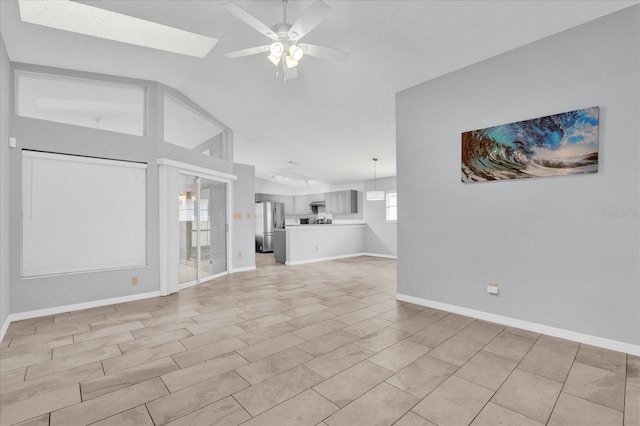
(324, 225)
(297, 244)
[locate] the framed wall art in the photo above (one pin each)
(554, 145)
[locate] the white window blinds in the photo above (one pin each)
(81, 214)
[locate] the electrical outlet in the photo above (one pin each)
(239, 254)
(492, 288)
(316, 248)
(237, 215)
(134, 280)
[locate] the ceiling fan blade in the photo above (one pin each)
(247, 52)
(309, 19)
(250, 20)
(289, 73)
(322, 52)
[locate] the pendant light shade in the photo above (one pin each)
(375, 195)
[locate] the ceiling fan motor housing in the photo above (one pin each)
(282, 31)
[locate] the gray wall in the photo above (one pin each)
(243, 222)
(381, 236)
(5, 118)
(46, 292)
(558, 260)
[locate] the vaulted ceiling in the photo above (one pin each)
(327, 124)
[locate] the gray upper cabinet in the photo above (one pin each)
(288, 203)
(301, 204)
(286, 199)
(262, 197)
(335, 202)
(341, 201)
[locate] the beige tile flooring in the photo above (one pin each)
(316, 344)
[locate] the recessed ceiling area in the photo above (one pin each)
(87, 20)
(335, 116)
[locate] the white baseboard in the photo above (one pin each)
(343, 256)
(322, 259)
(525, 325)
(386, 256)
(243, 269)
(70, 308)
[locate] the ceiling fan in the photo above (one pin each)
(285, 51)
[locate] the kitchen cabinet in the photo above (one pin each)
(341, 201)
(287, 200)
(301, 204)
(288, 203)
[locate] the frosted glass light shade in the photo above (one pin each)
(296, 53)
(276, 48)
(375, 195)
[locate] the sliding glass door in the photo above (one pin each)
(213, 227)
(202, 206)
(187, 202)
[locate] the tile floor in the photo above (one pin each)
(316, 344)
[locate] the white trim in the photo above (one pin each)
(243, 269)
(75, 307)
(343, 256)
(168, 234)
(5, 327)
(229, 225)
(203, 280)
(525, 325)
(201, 171)
(326, 226)
(82, 159)
(322, 259)
(386, 256)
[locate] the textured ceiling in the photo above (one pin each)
(334, 117)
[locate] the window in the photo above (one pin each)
(80, 102)
(81, 214)
(187, 128)
(392, 206)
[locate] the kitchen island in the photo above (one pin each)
(297, 244)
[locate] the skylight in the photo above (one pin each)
(88, 20)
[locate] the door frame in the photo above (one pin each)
(169, 235)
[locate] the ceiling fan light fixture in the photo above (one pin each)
(275, 60)
(296, 52)
(276, 49)
(291, 63)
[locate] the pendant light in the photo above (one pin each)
(375, 195)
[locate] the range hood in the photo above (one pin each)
(318, 203)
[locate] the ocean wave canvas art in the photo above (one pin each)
(555, 145)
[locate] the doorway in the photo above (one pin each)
(194, 226)
(202, 240)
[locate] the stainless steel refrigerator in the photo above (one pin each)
(269, 217)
